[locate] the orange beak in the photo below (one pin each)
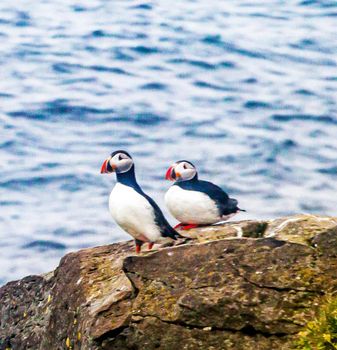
(171, 174)
(168, 175)
(104, 168)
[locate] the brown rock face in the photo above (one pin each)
(243, 285)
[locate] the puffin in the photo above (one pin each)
(133, 210)
(195, 202)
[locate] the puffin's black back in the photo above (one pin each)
(165, 228)
(225, 204)
(129, 179)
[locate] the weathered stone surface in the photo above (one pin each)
(299, 228)
(241, 285)
(247, 228)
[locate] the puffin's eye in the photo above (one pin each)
(120, 157)
(185, 167)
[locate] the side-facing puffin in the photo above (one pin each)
(194, 202)
(133, 210)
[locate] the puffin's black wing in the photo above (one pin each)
(225, 204)
(165, 228)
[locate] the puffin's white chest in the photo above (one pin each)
(191, 207)
(133, 213)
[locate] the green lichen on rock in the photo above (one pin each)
(321, 332)
(300, 228)
(238, 285)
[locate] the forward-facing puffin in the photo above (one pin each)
(132, 209)
(194, 202)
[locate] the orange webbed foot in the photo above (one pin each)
(138, 246)
(185, 226)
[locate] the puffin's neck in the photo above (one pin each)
(190, 181)
(128, 178)
(194, 179)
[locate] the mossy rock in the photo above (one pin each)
(300, 228)
(320, 333)
(239, 285)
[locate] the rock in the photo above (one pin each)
(247, 228)
(240, 285)
(299, 228)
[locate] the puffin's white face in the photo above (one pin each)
(181, 171)
(119, 162)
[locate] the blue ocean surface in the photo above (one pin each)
(247, 90)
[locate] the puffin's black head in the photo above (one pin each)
(182, 170)
(119, 162)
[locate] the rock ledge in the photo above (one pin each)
(239, 285)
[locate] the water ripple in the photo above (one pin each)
(245, 90)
